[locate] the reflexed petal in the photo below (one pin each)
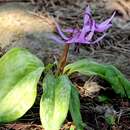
(88, 11)
(82, 35)
(60, 32)
(84, 31)
(96, 41)
(104, 25)
(102, 28)
(87, 15)
(90, 35)
(106, 22)
(69, 30)
(74, 39)
(56, 39)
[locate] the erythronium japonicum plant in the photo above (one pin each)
(82, 35)
(20, 72)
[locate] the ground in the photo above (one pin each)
(113, 49)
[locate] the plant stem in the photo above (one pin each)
(63, 59)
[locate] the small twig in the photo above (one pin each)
(45, 19)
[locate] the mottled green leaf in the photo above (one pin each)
(19, 73)
(108, 72)
(75, 108)
(55, 100)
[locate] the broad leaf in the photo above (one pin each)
(19, 73)
(54, 103)
(108, 72)
(75, 108)
(47, 103)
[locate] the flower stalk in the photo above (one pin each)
(63, 59)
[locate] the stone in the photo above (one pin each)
(20, 27)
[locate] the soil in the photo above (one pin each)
(113, 49)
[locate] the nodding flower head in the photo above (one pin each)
(85, 34)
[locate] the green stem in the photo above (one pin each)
(63, 59)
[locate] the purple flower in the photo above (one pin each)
(86, 33)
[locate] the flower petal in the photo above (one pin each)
(87, 15)
(84, 30)
(82, 34)
(96, 41)
(56, 39)
(60, 32)
(90, 35)
(102, 28)
(71, 30)
(104, 25)
(74, 39)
